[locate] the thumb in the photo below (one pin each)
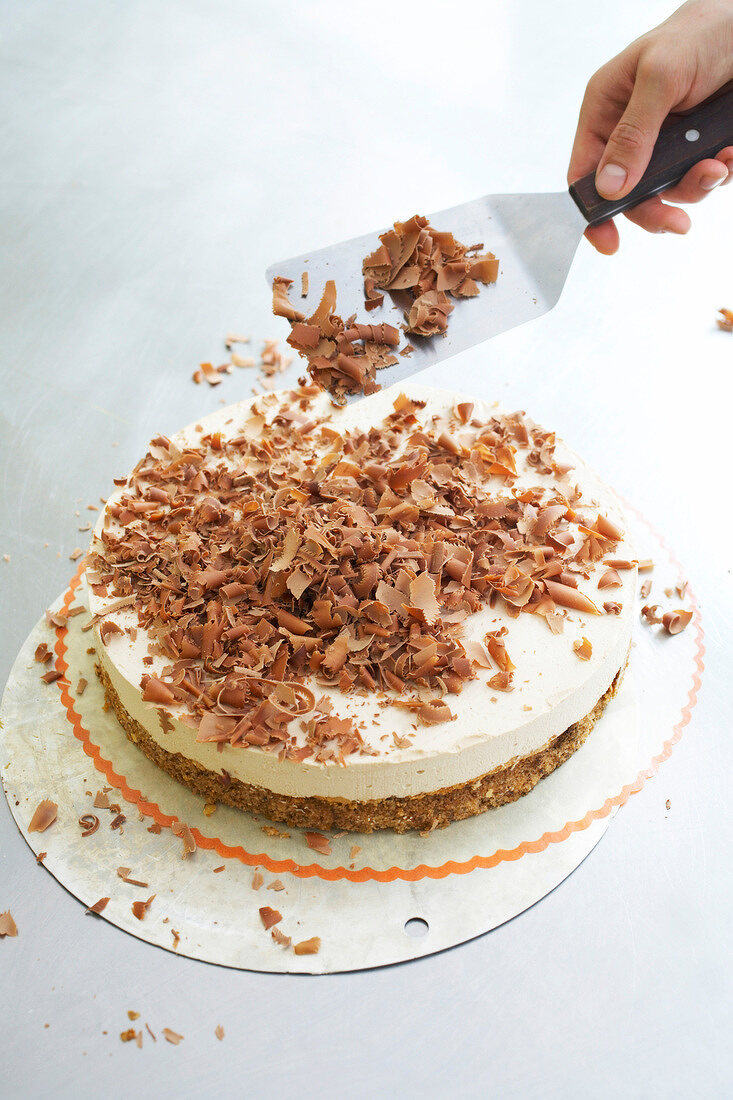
(630, 146)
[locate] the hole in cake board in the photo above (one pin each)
(416, 927)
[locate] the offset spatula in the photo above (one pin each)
(534, 236)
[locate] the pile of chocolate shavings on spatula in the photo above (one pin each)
(294, 556)
(421, 269)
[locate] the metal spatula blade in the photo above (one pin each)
(534, 236)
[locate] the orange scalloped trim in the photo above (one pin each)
(371, 874)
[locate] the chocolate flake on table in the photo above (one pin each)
(129, 1035)
(280, 937)
(219, 1031)
(52, 677)
(421, 267)
(76, 554)
(124, 874)
(271, 830)
(132, 1015)
(583, 649)
(101, 801)
(43, 654)
(276, 884)
(8, 927)
(304, 285)
(269, 916)
(81, 686)
(646, 565)
(89, 824)
(209, 809)
(117, 821)
(725, 321)
(645, 588)
(257, 879)
(292, 551)
(43, 816)
(140, 908)
(155, 828)
(41, 856)
(308, 947)
(98, 906)
(355, 849)
(674, 622)
(650, 614)
(172, 1036)
(318, 843)
(150, 1033)
(176, 938)
(189, 844)
(218, 870)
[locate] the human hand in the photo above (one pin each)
(672, 68)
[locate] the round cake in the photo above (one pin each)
(395, 614)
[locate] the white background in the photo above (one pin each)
(157, 156)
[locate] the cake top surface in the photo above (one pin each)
(402, 576)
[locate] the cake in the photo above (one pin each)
(395, 614)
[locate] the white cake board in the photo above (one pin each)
(460, 882)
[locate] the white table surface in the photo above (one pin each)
(157, 155)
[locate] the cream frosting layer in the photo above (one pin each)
(553, 688)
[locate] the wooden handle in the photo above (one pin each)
(676, 151)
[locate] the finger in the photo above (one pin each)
(698, 182)
(657, 217)
(630, 146)
(725, 156)
(599, 113)
(604, 237)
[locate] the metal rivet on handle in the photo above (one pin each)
(692, 135)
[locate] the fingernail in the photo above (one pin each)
(611, 179)
(709, 182)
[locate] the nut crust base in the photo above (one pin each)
(432, 810)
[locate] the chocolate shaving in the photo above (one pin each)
(280, 937)
(650, 614)
(583, 649)
(98, 906)
(308, 947)
(725, 321)
(318, 843)
(43, 816)
(43, 654)
(124, 874)
(674, 622)
(89, 824)
(219, 1030)
(140, 908)
(172, 1036)
(269, 917)
(8, 927)
(52, 677)
(183, 831)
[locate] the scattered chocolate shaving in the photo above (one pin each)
(280, 937)
(155, 828)
(140, 908)
(308, 947)
(43, 816)
(269, 916)
(98, 906)
(129, 1035)
(101, 801)
(131, 1015)
(172, 1036)
(89, 824)
(650, 614)
(75, 554)
(218, 870)
(150, 1033)
(276, 884)
(52, 677)
(107, 629)
(610, 579)
(583, 649)
(674, 622)
(319, 843)
(8, 927)
(41, 856)
(176, 938)
(271, 830)
(219, 1030)
(681, 589)
(645, 566)
(645, 588)
(43, 654)
(124, 874)
(611, 607)
(81, 686)
(257, 879)
(725, 321)
(183, 831)
(304, 285)
(117, 821)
